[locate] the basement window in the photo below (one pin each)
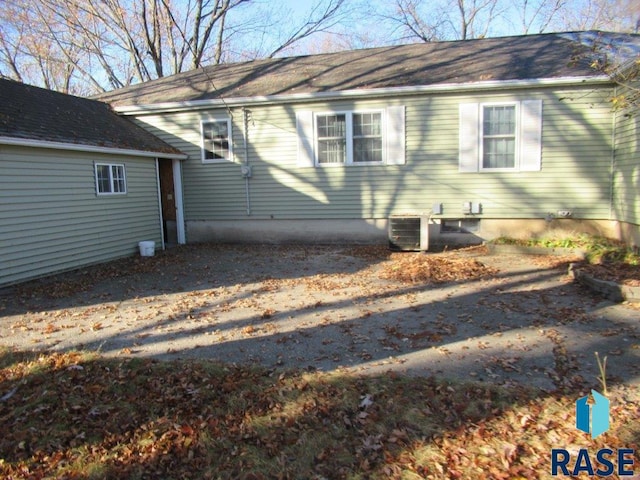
(459, 225)
(110, 179)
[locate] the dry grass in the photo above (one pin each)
(78, 416)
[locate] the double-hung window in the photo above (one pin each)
(351, 138)
(348, 138)
(332, 138)
(367, 137)
(216, 141)
(501, 137)
(110, 179)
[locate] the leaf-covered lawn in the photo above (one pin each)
(82, 416)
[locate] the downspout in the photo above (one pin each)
(160, 202)
(612, 173)
(246, 169)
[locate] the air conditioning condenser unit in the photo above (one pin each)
(409, 232)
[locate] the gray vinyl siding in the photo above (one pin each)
(626, 206)
(575, 174)
(52, 220)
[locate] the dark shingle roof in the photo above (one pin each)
(33, 113)
(544, 56)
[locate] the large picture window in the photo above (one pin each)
(216, 141)
(110, 179)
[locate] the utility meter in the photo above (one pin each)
(245, 170)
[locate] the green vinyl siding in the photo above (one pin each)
(52, 220)
(626, 206)
(575, 172)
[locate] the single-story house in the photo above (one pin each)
(79, 184)
(442, 142)
(467, 140)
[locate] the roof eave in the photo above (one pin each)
(28, 142)
(359, 93)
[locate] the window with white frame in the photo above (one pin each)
(367, 137)
(351, 138)
(110, 178)
(216, 141)
(503, 136)
(331, 131)
(498, 136)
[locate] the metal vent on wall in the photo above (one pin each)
(409, 232)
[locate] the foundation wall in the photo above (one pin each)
(375, 231)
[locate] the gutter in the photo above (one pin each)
(26, 142)
(359, 93)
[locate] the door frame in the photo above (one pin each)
(176, 167)
(177, 190)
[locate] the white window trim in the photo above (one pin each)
(203, 158)
(349, 138)
(111, 184)
(518, 135)
(529, 130)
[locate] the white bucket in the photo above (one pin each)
(147, 249)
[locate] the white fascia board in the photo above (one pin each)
(26, 142)
(359, 93)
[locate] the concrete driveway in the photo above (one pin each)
(325, 308)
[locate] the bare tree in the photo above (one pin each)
(136, 40)
(429, 21)
(113, 43)
(476, 17)
(24, 54)
(432, 20)
(413, 20)
(320, 18)
(409, 16)
(621, 62)
(612, 15)
(12, 39)
(538, 14)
